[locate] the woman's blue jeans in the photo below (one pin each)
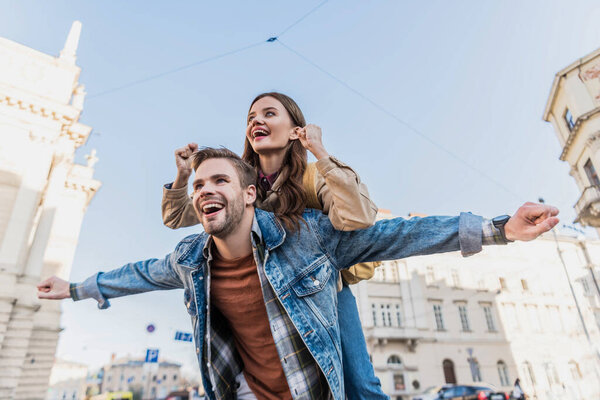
(359, 377)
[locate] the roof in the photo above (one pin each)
(561, 74)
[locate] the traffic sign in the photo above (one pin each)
(152, 355)
(183, 336)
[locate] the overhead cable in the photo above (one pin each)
(399, 120)
(172, 71)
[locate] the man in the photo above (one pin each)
(262, 299)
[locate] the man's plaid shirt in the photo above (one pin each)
(304, 376)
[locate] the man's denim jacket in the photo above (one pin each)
(301, 268)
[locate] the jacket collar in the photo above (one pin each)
(270, 228)
(265, 228)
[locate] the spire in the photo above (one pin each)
(68, 53)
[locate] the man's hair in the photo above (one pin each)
(246, 172)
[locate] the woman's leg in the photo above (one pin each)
(359, 377)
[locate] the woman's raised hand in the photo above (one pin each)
(310, 137)
(184, 165)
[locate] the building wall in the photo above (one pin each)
(43, 198)
(152, 380)
(532, 319)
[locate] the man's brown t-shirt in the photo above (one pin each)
(235, 291)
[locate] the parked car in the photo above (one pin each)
(463, 392)
(179, 395)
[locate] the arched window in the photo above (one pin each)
(503, 373)
(394, 360)
(449, 374)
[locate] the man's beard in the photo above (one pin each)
(234, 212)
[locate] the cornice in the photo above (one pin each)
(580, 120)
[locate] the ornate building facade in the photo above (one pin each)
(573, 108)
(43, 198)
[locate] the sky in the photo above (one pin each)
(437, 105)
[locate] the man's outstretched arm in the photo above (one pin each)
(133, 278)
(400, 238)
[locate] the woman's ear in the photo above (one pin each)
(295, 133)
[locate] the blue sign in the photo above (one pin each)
(183, 336)
(151, 355)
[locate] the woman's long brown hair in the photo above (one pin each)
(291, 196)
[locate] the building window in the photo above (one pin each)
(502, 283)
(528, 372)
(590, 171)
(449, 375)
(551, 374)
(439, 320)
(398, 315)
(503, 373)
(386, 314)
(430, 276)
(394, 360)
(587, 290)
(489, 318)
(475, 370)
(524, 284)
(464, 319)
(399, 382)
(569, 119)
(174, 377)
(455, 278)
(374, 310)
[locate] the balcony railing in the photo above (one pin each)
(588, 207)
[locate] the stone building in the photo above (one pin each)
(67, 381)
(573, 108)
(507, 312)
(153, 381)
(43, 198)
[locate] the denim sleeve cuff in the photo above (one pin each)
(491, 234)
(469, 234)
(178, 193)
(89, 289)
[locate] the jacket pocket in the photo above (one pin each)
(312, 287)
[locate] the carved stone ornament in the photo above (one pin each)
(593, 142)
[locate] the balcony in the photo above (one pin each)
(588, 207)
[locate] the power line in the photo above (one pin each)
(399, 120)
(206, 60)
(172, 71)
(302, 18)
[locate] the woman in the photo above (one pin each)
(277, 138)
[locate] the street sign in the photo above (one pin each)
(183, 336)
(150, 328)
(152, 355)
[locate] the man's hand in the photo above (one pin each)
(530, 221)
(183, 163)
(53, 288)
(310, 137)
